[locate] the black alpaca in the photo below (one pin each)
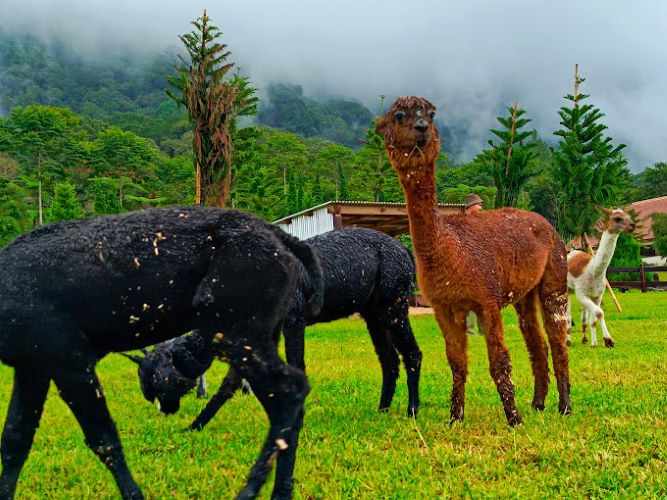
(72, 292)
(364, 271)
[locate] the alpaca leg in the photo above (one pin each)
(25, 411)
(201, 386)
(584, 323)
(553, 300)
(294, 333)
(387, 355)
(404, 341)
(593, 313)
(608, 342)
(500, 364)
(281, 389)
(593, 326)
(83, 394)
(229, 386)
(570, 323)
(537, 348)
(453, 328)
(398, 325)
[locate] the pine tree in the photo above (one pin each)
(511, 157)
(105, 197)
(15, 215)
(65, 205)
(316, 191)
(374, 176)
(588, 168)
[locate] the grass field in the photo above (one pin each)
(614, 445)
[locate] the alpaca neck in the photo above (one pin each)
(422, 207)
(598, 266)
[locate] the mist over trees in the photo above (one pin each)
(103, 136)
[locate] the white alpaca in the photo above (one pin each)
(586, 276)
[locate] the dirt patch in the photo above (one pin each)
(418, 311)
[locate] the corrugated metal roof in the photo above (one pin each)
(356, 203)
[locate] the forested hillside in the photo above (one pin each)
(85, 136)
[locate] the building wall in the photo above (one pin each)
(307, 226)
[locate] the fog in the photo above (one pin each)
(469, 58)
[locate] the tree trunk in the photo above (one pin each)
(199, 199)
(219, 191)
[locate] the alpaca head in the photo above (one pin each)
(159, 378)
(617, 221)
(410, 135)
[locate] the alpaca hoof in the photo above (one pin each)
(283, 491)
(383, 409)
(538, 405)
(609, 343)
(565, 409)
(412, 412)
(584, 340)
(594, 346)
(456, 415)
(514, 420)
(568, 342)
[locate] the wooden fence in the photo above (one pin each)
(642, 285)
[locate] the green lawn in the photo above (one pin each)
(614, 445)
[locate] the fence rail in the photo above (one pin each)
(642, 285)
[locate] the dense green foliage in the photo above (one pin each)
(626, 255)
(612, 446)
(652, 182)
(511, 158)
(107, 128)
(65, 205)
(660, 233)
(337, 120)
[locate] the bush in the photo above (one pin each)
(660, 233)
(626, 255)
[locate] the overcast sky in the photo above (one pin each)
(467, 57)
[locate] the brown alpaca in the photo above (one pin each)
(481, 262)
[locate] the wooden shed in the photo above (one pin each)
(390, 218)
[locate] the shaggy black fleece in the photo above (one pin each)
(72, 292)
(364, 271)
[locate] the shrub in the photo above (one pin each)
(660, 233)
(626, 255)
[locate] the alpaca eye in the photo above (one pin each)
(431, 114)
(400, 116)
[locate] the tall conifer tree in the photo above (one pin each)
(588, 168)
(511, 157)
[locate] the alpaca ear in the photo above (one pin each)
(603, 210)
(382, 124)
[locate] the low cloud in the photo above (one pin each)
(469, 58)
